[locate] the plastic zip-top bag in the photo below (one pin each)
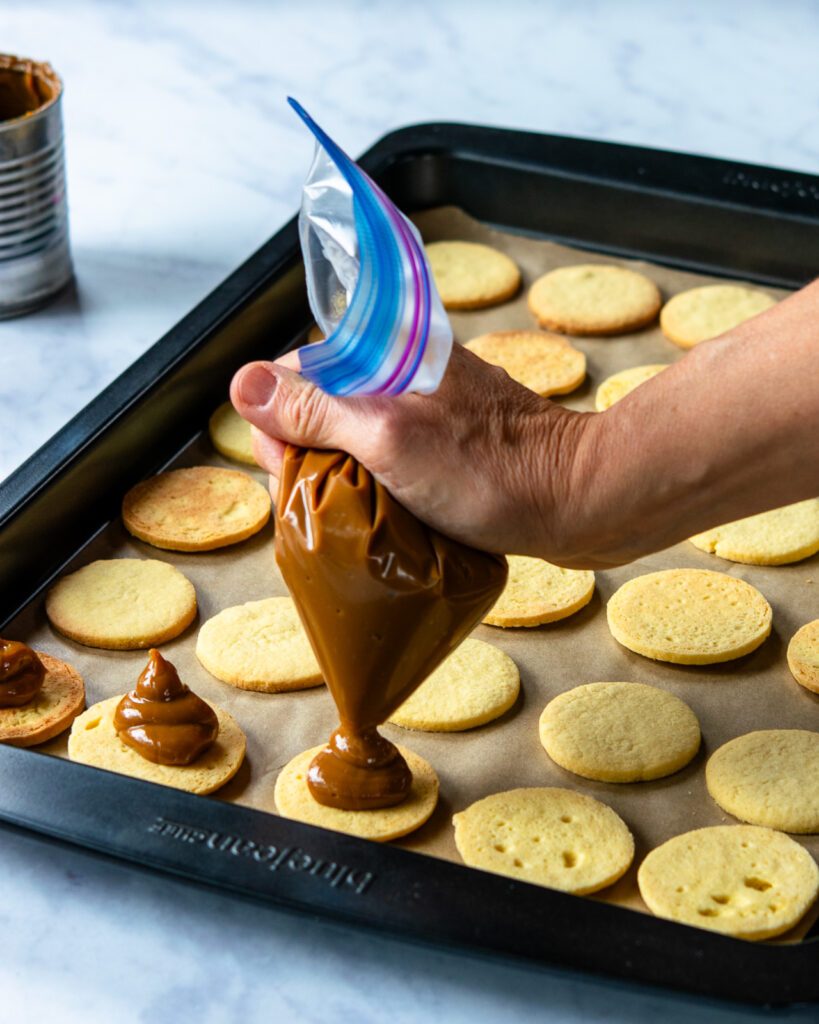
(368, 282)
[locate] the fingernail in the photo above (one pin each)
(256, 385)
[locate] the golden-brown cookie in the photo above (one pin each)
(545, 363)
(471, 276)
(752, 883)
(122, 603)
(294, 800)
(94, 741)
(689, 616)
(260, 646)
(777, 537)
(803, 656)
(537, 592)
(230, 435)
(51, 711)
(594, 298)
(703, 313)
(769, 777)
(619, 732)
(547, 836)
(196, 509)
(623, 383)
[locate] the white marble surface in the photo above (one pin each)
(182, 158)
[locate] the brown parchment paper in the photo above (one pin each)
(754, 692)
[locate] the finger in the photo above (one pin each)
(267, 451)
(290, 360)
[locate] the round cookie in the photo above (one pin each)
(51, 711)
(593, 298)
(469, 275)
(196, 509)
(803, 656)
(623, 383)
(260, 646)
(547, 836)
(294, 800)
(122, 604)
(769, 777)
(230, 435)
(777, 537)
(619, 732)
(704, 313)
(537, 591)
(689, 616)
(749, 882)
(545, 363)
(476, 684)
(94, 741)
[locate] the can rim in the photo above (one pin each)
(10, 62)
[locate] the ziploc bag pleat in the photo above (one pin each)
(368, 282)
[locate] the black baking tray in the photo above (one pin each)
(713, 216)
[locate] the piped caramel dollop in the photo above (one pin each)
(162, 719)
(21, 674)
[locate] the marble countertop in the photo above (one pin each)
(182, 159)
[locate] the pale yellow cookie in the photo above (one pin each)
(752, 883)
(619, 732)
(545, 363)
(471, 276)
(769, 777)
(122, 603)
(777, 537)
(689, 616)
(196, 509)
(230, 435)
(703, 313)
(547, 836)
(94, 741)
(593, 298)
(261, 646)
(623, 383)
(803, 656)
(538, 592)
(51, 711)
(476, 684)
(294, 800)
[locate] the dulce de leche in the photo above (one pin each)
(383, 598)
(162, 719)
(21, 674)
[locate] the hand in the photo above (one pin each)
(483, 459)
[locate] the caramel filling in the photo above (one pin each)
(25, 87)
(21, 674)
(162, 719)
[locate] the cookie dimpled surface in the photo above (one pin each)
(230, 435)
(469, 275)
(260, 646)
(548, 836)
(803, 656)
(623, 383)
(94, 741)
(537, 592)
(769, 777)
(294, 800)
(741, 880)
(51, 711)
(619, 732)
(700, 314)
(476, 684)
(689, 616)
(545, 363)
(196, 509)
(593, 298)
(778, 537)
(122, 603)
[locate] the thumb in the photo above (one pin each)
(287, 407)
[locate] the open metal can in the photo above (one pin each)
(35, 259)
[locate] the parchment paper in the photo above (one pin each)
(754, 692)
